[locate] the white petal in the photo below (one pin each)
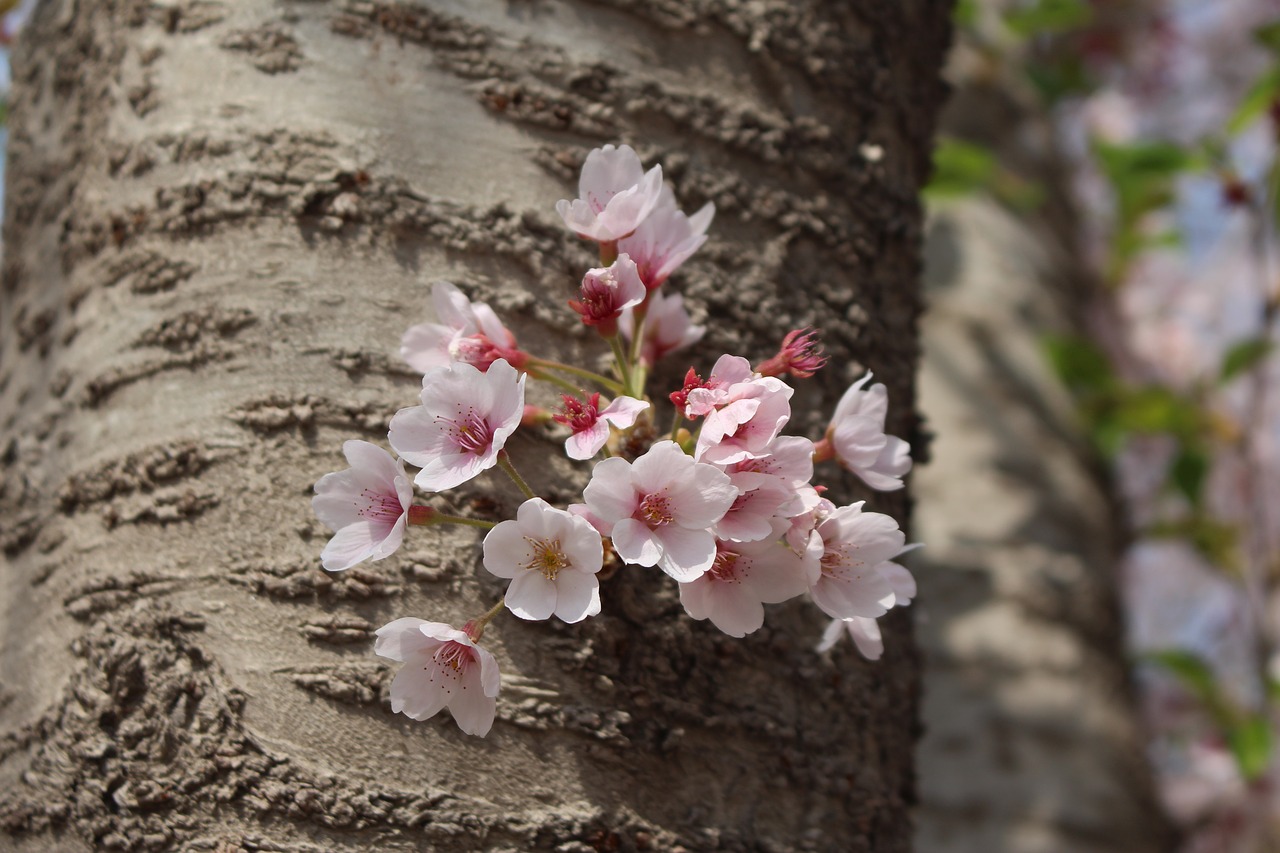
(505, 550)
(636, 544)
(472, 710)
(623, 411)
(400, 639)
(686, 554)
(353, 544)
(610, 495)
(415, 694)
(531, 596)
(578, 596)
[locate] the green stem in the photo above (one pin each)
(580, 372)
(504, 462)
(425, 515)
(675, 424)
(624, 365)
(556, 380)
(475, 628)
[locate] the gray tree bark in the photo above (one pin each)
(221, 216)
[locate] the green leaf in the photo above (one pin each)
(1251, 744)
(1048, 16)
(1188, 472)
(1268, 35)
(1081, 365)
(1244, 355)
(1142, 175)
(959, 169)
(1057, 79)
(1256, 101)
(1153, 410)
(966, 13)
(1191, 671)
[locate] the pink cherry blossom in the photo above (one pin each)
(467, 331)
(742, 578)
(659, 509)
(856, 435)
(367, 505)
(666, 239)
(465, 419)
(552, 557)
(788, 457)
(443, 668)
(615, 195)
(729, 370)
(856, 545)
(667, 327)
(606, 292)
(801, 356)
(750, 419)
(761, 499)
(864, 630)
(590, 425)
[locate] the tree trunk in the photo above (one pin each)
(221, 217)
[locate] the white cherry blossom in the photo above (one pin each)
(856, 546)
(857, 436)
(667, 327)
(443, 668)
(659, 509)
(551, 557)
(366, 505)
(743, 577)
(466, 331)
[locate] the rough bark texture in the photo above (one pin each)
(221, 217)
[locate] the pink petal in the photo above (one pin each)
(623, 411)
(415, 695)
(505, 550)
(583, 445)
(353, 544)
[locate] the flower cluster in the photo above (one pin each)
(726, 505)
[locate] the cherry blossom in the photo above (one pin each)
(762, 498)
(443, 668)
(465, 419)
(729, 370)
(606, 292)
(552, 557)
(742, 578)
(659, 508)
(468, 331)
(864, 630)
(856, 545)
(667, 327)
(856, 435)
(801, 356)
(666, 239)
(615, 195)
(590, 424)
(367, 505)
(750, 419)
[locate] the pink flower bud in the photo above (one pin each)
(801, 356)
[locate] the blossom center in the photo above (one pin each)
(547, 558)
(454, 655)
(470, 433)
(656, 509)
(724, 567)
(836, 561)
(380, 507)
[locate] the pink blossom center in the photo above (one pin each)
(725, 567)
(380, 507)
(469, 432)
(548, 557)
(655, 509)
(837, 562)
(579, 416)
(453, 659)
